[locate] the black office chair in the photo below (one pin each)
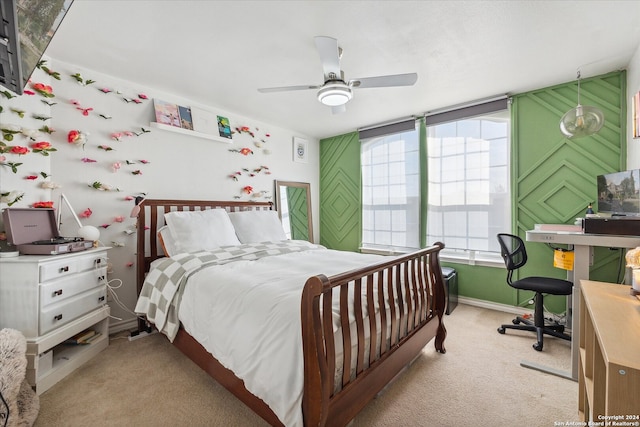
(515, 256)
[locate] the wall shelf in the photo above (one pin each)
(192, 133)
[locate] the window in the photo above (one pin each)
(391, 191)
(465, 183)
(468, 182)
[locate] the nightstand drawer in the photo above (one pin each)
(56, 315)
(59, 290)
(67, 266)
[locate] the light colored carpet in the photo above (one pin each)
(478, 382)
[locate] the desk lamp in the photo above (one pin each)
(87, 232)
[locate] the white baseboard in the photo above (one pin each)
(494, 306)
(122, 325)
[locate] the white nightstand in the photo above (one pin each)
(50, 298)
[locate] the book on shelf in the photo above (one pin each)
(186, 122)
(84, 337)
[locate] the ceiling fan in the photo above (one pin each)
(335, 92)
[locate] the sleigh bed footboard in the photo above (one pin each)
(361, 328)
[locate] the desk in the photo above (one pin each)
(582, 244)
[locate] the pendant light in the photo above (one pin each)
(584, 120)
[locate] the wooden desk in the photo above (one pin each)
(609, 367)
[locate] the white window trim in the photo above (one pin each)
(485, 259)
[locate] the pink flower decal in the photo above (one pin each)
(76, 137)
(42, 204)
(85, 111)
(31, 177)
(42, 147)
(86, 213)
(16, 149)
(247, 189)
(142, 96)
(119, 218)
(44, 90)
(88, 160)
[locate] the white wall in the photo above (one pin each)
(633, 87)
(179, 166)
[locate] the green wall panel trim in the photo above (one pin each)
(340, 192)
(553, 177)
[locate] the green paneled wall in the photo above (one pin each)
(553, 180)
(340, 192)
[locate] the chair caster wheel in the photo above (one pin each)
(501, 330)
(515, 321)
(537, 346)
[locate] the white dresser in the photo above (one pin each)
(50, 298)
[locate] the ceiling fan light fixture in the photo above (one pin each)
(335, 94)
(584, 120)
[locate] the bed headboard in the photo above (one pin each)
(151, 218)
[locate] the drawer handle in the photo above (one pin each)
(57, 317)
(100, 279)
(64, 269)
(101, 299)
(57, 293)
(98, 261)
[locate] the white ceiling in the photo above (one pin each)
(219, 53)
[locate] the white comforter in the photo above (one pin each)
(247, 315)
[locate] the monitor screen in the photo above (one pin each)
(26, 29)
(618, 193)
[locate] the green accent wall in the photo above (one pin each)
(340, 192)
(553, 181)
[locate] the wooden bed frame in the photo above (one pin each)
(411, 321)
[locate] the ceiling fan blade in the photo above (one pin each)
(287, 88)
(385, 81)
(329, 56)
(339, 109)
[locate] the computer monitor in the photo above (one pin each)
(618, 193)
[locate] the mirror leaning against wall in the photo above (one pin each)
(294, 209)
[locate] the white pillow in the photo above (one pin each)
(257, 226)
(201, 230)
(166, 241)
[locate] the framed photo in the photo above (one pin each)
(224, 128)
(300, 150)
(186, 122)
(166, 113)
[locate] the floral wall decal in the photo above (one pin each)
(103, 174)
(77, 137)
